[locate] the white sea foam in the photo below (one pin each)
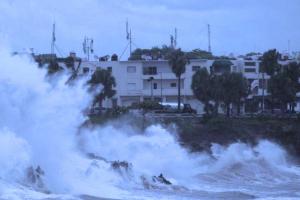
(39, 126)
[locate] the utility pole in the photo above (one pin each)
(88, 46)
(263, 92)
(53, 39)
(208, 31)
(161, 93)
(175, 39)
(130, 42)
(129, 36)
(172, 41)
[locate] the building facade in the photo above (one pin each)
(143, 80)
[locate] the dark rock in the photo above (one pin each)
(120, 165)
(35, 178)
(161, 179)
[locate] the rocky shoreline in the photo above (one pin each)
(197, 134)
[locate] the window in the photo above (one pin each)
(131, 69)
(173, 84)
(131, 86)
(250, 64)
(250, 70)
(154, 86)
(195, 68)
(109, 69)
(85, 70)
(149, 70)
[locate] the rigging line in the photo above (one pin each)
(58, 50)
(124, 50)
(135, 45)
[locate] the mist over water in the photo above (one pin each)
(39, 127)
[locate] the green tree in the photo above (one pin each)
(201, 88)
(178, 60)
(269, 63)
(234, 87)
(104, 78)
(284, 85)
(199, 54)
(241, 88)
(281, 88)
(270, 66)
(114, 57)
(221, 66)
(70, 63)
(53, 67)
(216, 91)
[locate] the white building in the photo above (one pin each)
(142, 80)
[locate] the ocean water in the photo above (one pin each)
(45, 154)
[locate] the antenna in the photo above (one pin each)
(53, 39)
(208, 31)
(172, 41)
(175, 39)
(130, 42)
(129, 36)
(127, 30)
(87, 45)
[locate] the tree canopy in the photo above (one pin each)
(104, 78)
(269, 63)
(161, 53)
(221, 66)
(177, 60)
(284, 85)
(227, 88)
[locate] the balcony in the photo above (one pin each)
(166, 92)
(159, 76)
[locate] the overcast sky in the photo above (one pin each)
(237, 26)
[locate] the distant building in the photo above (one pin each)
(142, 80)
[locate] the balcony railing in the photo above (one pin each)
(163, 76)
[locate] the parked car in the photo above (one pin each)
(173, 108)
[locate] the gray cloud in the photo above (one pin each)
(237, 26)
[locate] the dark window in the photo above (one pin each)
(249, 63)
(155, 86)
(149, 70)
(173, 84)
(195, 68)
(109, 69)
(85, 70)
(250, 70)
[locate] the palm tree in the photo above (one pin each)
(178, 60)
(103, 77)
(270, 66)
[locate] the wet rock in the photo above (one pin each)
(146, 183)
(123, 168)
(35, 178)
(121, 165)
(161, 179)
(96, 157)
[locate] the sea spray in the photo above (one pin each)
(39, 127)
(46, 118)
